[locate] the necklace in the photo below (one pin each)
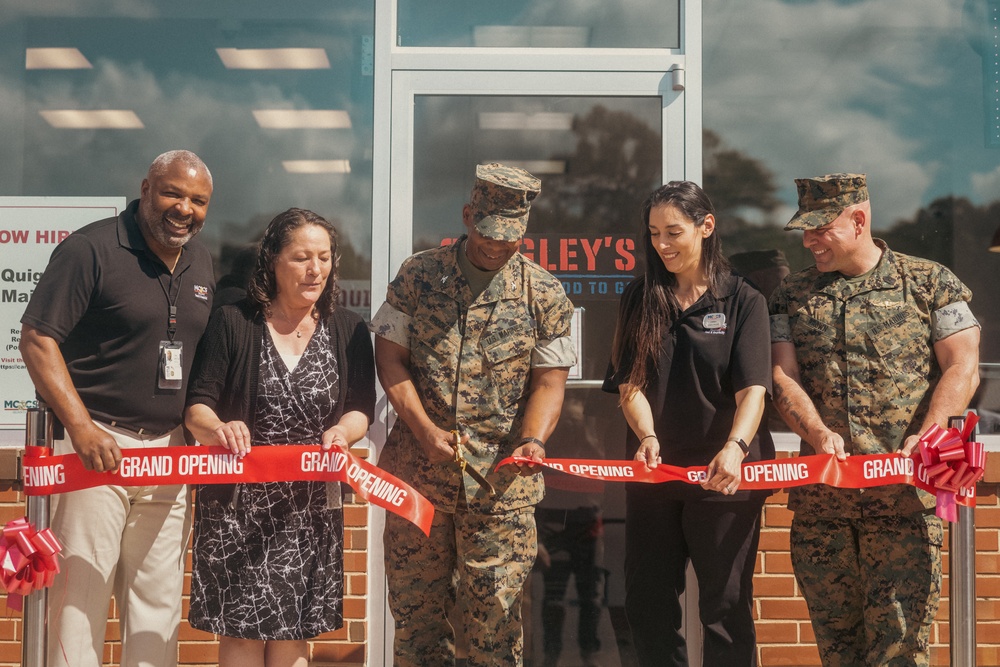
(298, 334)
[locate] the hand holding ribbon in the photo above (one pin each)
(45, 475)
(947, 464)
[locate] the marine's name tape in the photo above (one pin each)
(45, 475)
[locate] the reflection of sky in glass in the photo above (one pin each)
(893, 88)
(540, 23)
(449, 142)
(163, 66)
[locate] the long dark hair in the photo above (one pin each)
(651, 303)
(263, 287)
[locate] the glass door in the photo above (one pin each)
(600, 142)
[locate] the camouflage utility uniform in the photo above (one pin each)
(471, 359)
(869, 560)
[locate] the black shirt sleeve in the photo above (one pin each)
(751, 357)
(63, 294)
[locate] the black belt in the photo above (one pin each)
(141, 431)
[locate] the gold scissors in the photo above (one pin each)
(464, 466)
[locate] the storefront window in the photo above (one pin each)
(902, 91)
(277, 101)
(540, 23)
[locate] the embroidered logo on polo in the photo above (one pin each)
(714, 323)
(201, 292)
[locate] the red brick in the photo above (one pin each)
(987, 540)
(777, 562)
(787, 608)
(987, 517)
(987, 610)
(112, 632)
(987, 563)
(356, 515)
(351, 653)
(357, 631)
(797, 655)
(356, 538)
(198, 653)
(774, 586)
(354, 607)
(357, 584)
(773, 540)
(9, 513)
(356, 561)
(777, 633)
(992, 475)
(339, 634)
(987, 655)
(10, 652)
(988, 586)
(10, 628)
(776, 516)
(940, 655)
(10, 495)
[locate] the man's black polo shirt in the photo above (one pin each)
(104, 299)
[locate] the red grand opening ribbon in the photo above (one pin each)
(966, 460)
(44, 475)
(27, 560)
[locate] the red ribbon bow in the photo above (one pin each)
(952, 464)
(27, 560)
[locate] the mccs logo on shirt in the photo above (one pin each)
(714, 323)
(201, 292)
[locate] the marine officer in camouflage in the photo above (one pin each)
(869, 348)
(473, 340)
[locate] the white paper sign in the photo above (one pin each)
(30, 229)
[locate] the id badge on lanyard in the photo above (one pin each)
(171, 375)
(171, 364)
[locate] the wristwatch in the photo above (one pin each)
(742, 443)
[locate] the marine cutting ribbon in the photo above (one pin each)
(44, 475)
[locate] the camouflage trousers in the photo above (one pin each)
(480, 560)
(872, 586)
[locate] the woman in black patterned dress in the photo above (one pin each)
(286, 365)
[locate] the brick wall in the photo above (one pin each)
(343, 648)
(784, 635)
(783, 631)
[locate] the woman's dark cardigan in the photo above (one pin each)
(227, 365)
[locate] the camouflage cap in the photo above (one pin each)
(822, 199)
(501, 199)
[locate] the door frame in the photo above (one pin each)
(403, 73)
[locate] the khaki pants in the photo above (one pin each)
(129, 541)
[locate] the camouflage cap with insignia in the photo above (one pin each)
(501, 199)
(823, 199)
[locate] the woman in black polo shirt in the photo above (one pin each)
(691, 362)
